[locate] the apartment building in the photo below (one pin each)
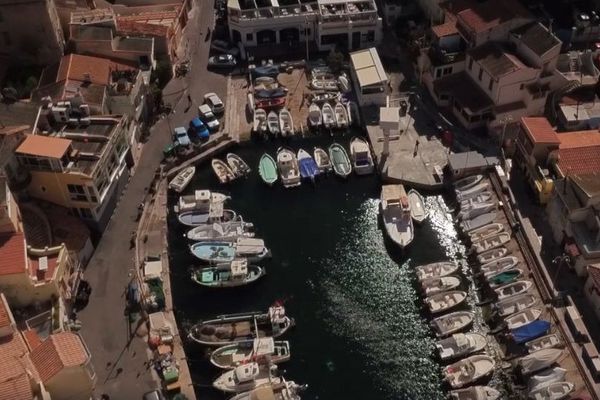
(347, 24)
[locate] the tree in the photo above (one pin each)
(335, 61)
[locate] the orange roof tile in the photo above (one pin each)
(60, 350)
(14, 381)
(42, 275)
(539, 130)
(579, 160)
(5, 313)
(445, 29)
(77, 67)
(32, 338)
(13, 258)
(579, 139)
(491, 13)
(135, 27)
(44, 146)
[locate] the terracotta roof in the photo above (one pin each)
(579, 139)
(42, 275)
(594, 274)
(489, 14)
(445, 29)
(5, 314)
(44, 146)
(141, 28)
(579, 161)
(77, 67)
(60, 350)
(539, 130)
(32, 338)
(12, 253)
(14, 381)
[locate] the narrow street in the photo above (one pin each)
(119, 357)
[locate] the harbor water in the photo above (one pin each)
(360, 332)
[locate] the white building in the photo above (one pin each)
(369, 77)
(350, 24)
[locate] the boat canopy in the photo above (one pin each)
(530, 331)
(246, 372)
(266, 70)
(239, 268)
(264, 346)
(277, 314)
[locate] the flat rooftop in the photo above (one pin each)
(368, 68)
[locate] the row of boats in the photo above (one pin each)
(232, 168)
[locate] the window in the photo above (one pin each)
(522, 86)
(470, 63)
(86, 213)
(6, 37)
(480, 74)
(447, 70)
(491, 85)
(249, 37)
(76, 192)
(370, 36)
(438, 73)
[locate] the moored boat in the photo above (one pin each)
(417, 206)
(341, 116)
(468, 225)
(286, 123)
(468, 182)
(260, 350)
(503, 277)
(472, 191)
(482, 197)
(485, 231)
(538, 361)
(182, 179)
(353, 113)
(287, 164)
(200, 200)
(475, 393)
(267, 169)
(460, 345)
(225, 275)
(530, 331)
(216, 214)
(499, 265)
(545, 342)
(444, 301)
(554, 391)
(515, 304)
(237, 165)
(273, 123)
(286, 390)
(259, 123)
(546, 377)
(522, 318)
(339, 160)
(246, 377)
(315, 118)
(322, 159)
(308, 166)
(228, 231)
(360, 153)
(451, 323)
(439, 284)
(491, 242)
(436, 269)
(491, 255)
(513, 289)
(222, 171)
(395, 212)
(328, 116)
(468, 370)
(476, 209)
(222, 252)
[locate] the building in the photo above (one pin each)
(579, 109)
(432, 9)
(10, 171)
(342, 24)
(592, 287)
(79, 162)
(369, 78)
(22, 43)
(392, 10)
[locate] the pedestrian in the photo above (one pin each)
(416, 148)
(189, 99)
(132, 241)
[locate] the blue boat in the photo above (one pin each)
(221, 252)
(307, 165)
(530, 331)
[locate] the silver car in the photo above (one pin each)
(214, 102)
(208, 117)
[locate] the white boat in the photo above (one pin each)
(287, 164)
(216, 214)
(452, 323)
(273, 123)
(322, 159)
(343, 84)
(491, 255)
(237, 165)
(222, 171)
(286, 390)
(246, 377)
(324, 84)
(485, 231)
(264, 80)
(259, 124)
(215, 252)
(360, 154)
(513, 289)
(499, 265)
(476, 209)
(515, 304)
(315, 118)
(460, 345)
(546, 377)
(439, 284)
(286, 123)
(472, 191)
(261, 350)
(353, 113)
(395, 211)
(522, 318)
(436, 269)
(538, 361)
(445, 301)
(482, 197)
(341, 117)
(545, 342)
(182, 179)
(201, 200)
(475, 393)
(468, 225)
(220, 231)
(469, 370)
(468, 182)
(228, 275)
(417, 206)
(554, 391)
(328, 116)
(490, 242)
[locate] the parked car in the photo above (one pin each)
(182, 137)
(199, 129)
(222, 46)
(215, 103)
(222, 61)
(208, 117)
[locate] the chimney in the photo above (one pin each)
(87, 78)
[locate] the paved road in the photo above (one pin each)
(118, 357)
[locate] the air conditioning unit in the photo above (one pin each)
(60, 114)
(73, 122)
(84, 122)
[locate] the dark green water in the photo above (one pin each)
(360, 333)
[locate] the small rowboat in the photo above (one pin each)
(475, 393)
(469, 370)
(417, 206)
(445, 301)
(182, 179)
(222, 171)
(544, 342)
(452, 323)
(237, 165)
(267, 169)
(322, 159)
(437, 269)
(339, 158)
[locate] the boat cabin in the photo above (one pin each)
(278, 319)
(245, 373)
(239, 269)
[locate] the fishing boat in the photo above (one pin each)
(468, 182)
(499, 265)
(237, 165)
(476, 209)
(308, 166)
(485, 231)
(200, 200)
(269, 103)
(395, 212)
(324, 97)
(544, 342)
(530, 331)
(216, 214)
(286, 390)
(445, 301)
(491, 242)
(286, 123)
(360, 153)
(515, 304)
(522, 318)
(439, 284)
(343, 84)
(339, 160)
(503, 277)
(315, 118)
(222, 252)
(472, 191)
(324, 84)
(460, 345)
(513, 289)
(182, 179)
(341, 117)
(475, 393)
(260, 350)
(225, 231)
(322, 159)
(491, 255)
(222, 171)
(538, 361)
(264, 80)
(353, 113)
(232, 328)
(287, 164)
(554, 391)
(273, 123)
(546, 377)
(267, 169)
(417, 206)
(328, 116)
(225, 275)
(468, 370)
(451, 323)
(436, 269)
(259, 123)
(483, 197)
(246, 377)
(467, 225)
